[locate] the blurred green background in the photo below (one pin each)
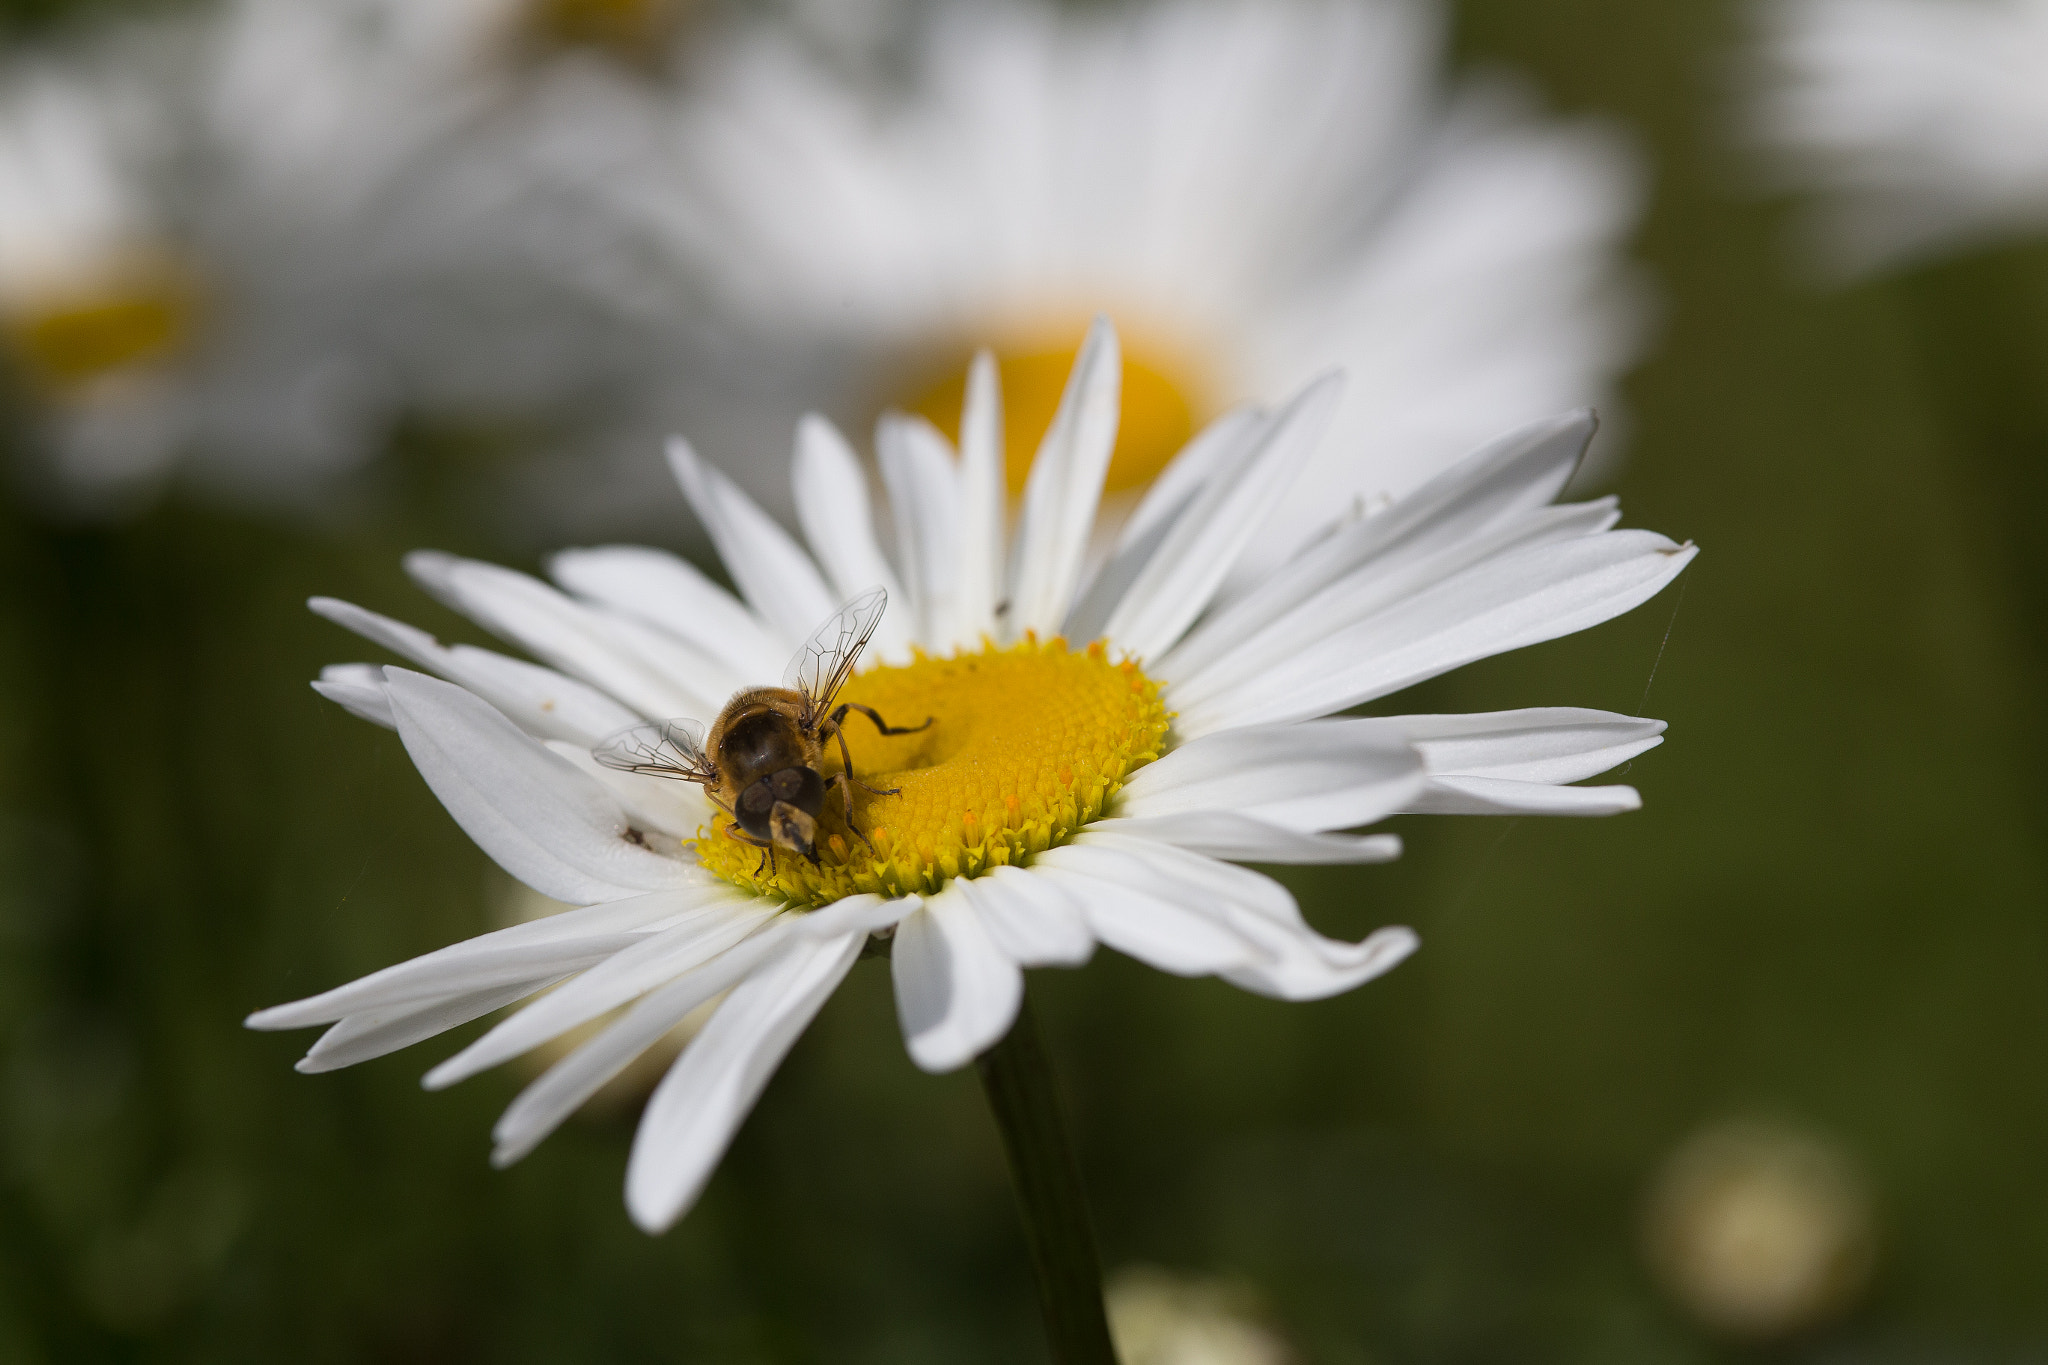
(1830, 914)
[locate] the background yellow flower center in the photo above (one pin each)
(632, 28)
(77, 338)
(1162, 402)
(1026, 744)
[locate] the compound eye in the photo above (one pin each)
(757, 799)
(788, 784)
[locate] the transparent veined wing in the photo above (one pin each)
(826, 661)
(669, 748)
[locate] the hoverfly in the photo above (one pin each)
(760, 764)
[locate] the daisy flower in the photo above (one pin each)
(1254, 188)
(1918, 124)
(93, 296)
(1104, 747)
(218, 232)
(1161, 1318)
(185, 208)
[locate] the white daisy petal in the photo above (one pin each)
(1494, 290)
(1501, 796)
(709, 937)
(984, 493)
(539, 700)
(1310, 967)
(1307, 777)
(1290, 960)
(662, 590)
(1127, 906)
(855, 915)
(1245, 839)
(359, 688)
(700, 1104)
(378, 1032)
(1215, 447)
(1381, 585)
(1064, 488)
(774, 574)
(1151, 928)
(1548, 744)
(1515, 600)
(833, 507)
(1029, 918)
(957, 991)
(698, 683)
(564, 1087)
(662, 805)
(1219, 444)
(1517, 473)
(558, 943)
(924, 495)
(540, 819)
(1199, 552)
(1217, 888)
(573, 637)
(1513, 762)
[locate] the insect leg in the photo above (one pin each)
(846, 786)
(875, 716)
(768, 854)
(846, 760)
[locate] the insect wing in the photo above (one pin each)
(672, 748)
(826, 661)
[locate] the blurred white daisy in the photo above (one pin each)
(219, 233)
(1253, 190)
(1762, 1230)
(1062, 796)
(95, 297)
(1918, 125)
(1159, 1318)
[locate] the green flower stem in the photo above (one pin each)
(1024, 1094)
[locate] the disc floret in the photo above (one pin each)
(1028, 743)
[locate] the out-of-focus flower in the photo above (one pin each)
(97, 299)
(1760, 1230)
(1917, 125)
(1253, 189)
(214, 183)
(636, 29)
(1159, 1318)
(1057, 798)
(223, 236)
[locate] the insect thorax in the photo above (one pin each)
(758, 742)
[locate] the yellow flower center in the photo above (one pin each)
(1026, 743)
(71, 340)
(630, 28)
(1162, 402)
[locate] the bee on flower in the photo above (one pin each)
(1108, 739)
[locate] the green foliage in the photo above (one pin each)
(36, 16)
